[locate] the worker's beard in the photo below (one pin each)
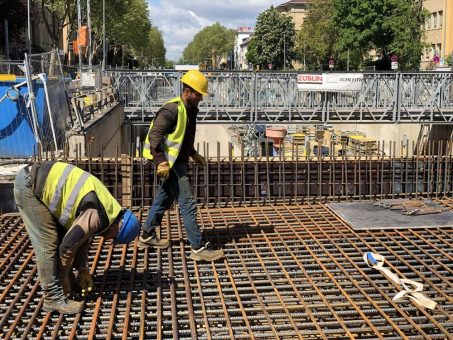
(192, 101)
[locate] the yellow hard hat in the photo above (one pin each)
(196, 80)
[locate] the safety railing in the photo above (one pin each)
(271, 97)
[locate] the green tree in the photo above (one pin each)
(315, 41)
(273, 40)
(63, 12)
(153, 53)
(407, 31)
(126, 20)
(384, 26)
(208, 45)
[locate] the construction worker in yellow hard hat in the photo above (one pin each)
(170, 143)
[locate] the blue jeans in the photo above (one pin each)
(177, 186)
(42, 229)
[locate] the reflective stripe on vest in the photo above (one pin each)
(173, 141)
(65, 187)
(61, 182)
(73, 197)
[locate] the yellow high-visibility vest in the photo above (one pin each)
(173, 141)
(66, 185)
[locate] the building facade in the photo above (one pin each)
(438, 33)
(243, 35)
(14, 37)
(297, 10)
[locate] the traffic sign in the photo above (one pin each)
(394, 58)
(331, 63)
(270, 66)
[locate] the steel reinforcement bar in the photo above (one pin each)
(290, 271)
(242, 180)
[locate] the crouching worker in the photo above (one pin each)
(62, 207)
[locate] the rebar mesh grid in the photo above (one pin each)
(290, 271)
(237, 181)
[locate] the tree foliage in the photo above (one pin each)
(153, 52)
(126, 21)
(315, 41)
(63, 12)
(209, 44)
(384, 26)
(407, 30)
(126, 24)
(272, 41)
(357, 32)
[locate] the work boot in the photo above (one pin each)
(145, 241)
(64, 306)
(206, 253)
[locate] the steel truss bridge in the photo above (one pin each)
(273, 97)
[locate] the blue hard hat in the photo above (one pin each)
(129, 228)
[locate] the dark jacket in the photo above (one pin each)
(164, 124)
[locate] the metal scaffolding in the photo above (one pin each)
(271, 97)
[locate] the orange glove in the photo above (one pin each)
(199, 159)
(163, 170)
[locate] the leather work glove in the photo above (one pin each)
(199, 159)
(85, 281)
(66, 283)
(163, 170)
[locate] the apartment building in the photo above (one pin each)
(438, 33)
(296, 9)
(243, 34)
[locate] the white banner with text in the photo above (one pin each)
(330, 82)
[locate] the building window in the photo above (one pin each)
(439, 49)
(440, 16)
(428, 23)
(434, 20)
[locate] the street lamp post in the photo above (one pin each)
(284, 51)
(28, 28)
(79, 24)
(103, 36)
(304, 59)
(89, 33)
(348, 60)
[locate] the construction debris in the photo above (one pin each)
(412, 207)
